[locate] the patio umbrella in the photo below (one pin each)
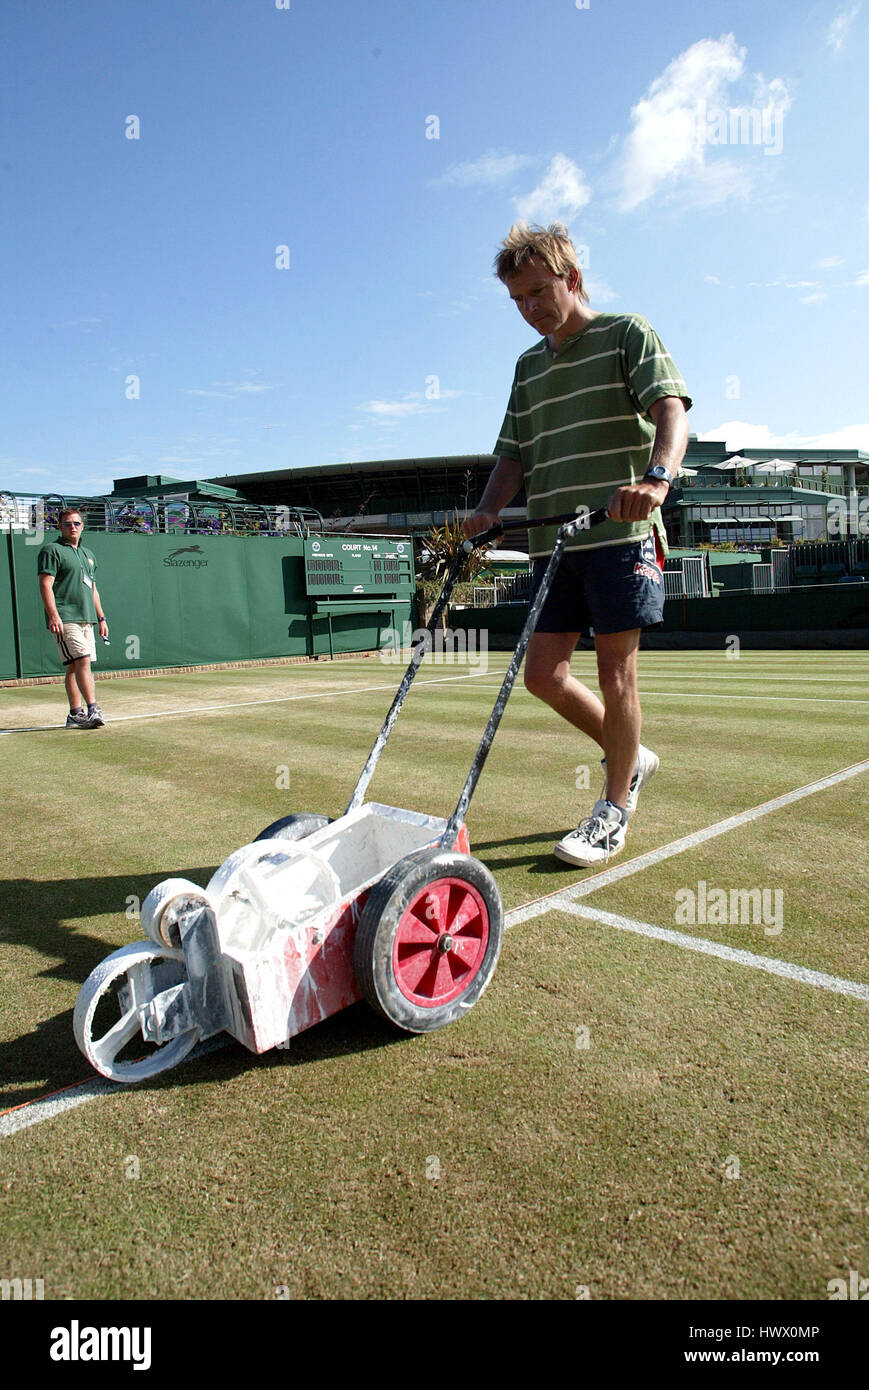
(736, 462)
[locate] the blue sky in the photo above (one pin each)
(389, 145)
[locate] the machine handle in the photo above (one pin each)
(583, 518)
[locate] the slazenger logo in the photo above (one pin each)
(76, 1343)
(650, 572)
(186, 564)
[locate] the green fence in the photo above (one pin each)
(189, 600)
(826, 608)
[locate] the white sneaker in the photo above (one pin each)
(647, 765)
(596, 840)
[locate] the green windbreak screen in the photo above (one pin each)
(188, 600)
(7, 616)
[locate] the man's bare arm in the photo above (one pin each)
(505, 481)
(101, 619)
(46, 593)
(637, 502)
(671, 433)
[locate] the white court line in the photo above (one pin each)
(776, 699)
(762, 678)
(697, 837)
(784, 968)
(249, 704)
(34, 1112)
(707, 695)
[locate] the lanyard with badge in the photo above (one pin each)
(84, 571)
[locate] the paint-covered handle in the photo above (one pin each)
(584, 518)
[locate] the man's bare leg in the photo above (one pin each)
(73, 694)
(547, 675)
(622, 725)
(80, 678)
(617, 722)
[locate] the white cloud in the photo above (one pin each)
(489, 169)
(712, 279)
(229, 390)
(598, 291)
(829, 261)
(837, 33)
(862, 279)
(560, 193)
(740, 434)
(411, 403)
(819, 297)
(684, 115)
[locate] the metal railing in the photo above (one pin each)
(512, 588)
(159, 516)
(762, 581)
(740, 482)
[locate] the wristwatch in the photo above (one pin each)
(657, 473)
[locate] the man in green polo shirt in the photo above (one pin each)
(596, 418)
(72, 607)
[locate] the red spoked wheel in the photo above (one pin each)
(440, 942)
(428, 939)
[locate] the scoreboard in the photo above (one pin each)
(345, 565)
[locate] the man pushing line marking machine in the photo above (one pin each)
(383, 904)
(596, 416)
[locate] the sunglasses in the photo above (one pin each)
(72, 523)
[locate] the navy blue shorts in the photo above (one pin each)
(613, 589)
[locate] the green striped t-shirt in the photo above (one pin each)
(578, 423)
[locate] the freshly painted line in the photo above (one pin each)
(698, 837)
(773, 966)
(250, 704)
(33, 1112)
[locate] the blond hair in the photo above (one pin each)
(551, 245)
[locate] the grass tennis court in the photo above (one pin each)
(621, 1114)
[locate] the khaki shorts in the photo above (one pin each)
(76, 640)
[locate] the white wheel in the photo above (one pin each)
(271, 886)
(164, 905)
(114, 1022)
